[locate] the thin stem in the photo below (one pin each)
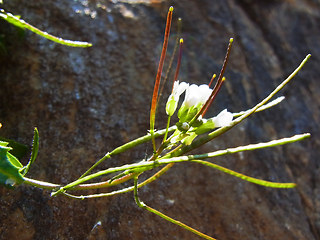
(170, 162)
(98, 185)
(22, 24)
(41, 184)
(128, 189)
(160, 214)
(135, 192)
(178, 63)
(128, 146)
(158, 78)
(174, 80)
(262, 108)
(147, 165)
(172, 58)
(245, 177)
(249, 147)
(219, 82)
(166, 134)
(211, 81)
(156, 175)
(165, 160)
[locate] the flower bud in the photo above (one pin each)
(173, 99)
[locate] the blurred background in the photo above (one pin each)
(85, 102)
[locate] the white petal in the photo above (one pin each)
(178, 89)
(224, 118)
(182, 87)
(175, 86)
(204, 93)
(192, 96)
(173, 99)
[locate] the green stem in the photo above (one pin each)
(249, 147)
(41, 184)
(246, 178)
(125, 190)
(160, 214)
(98, 185)
(22, 24)
(146, 165)
(167, 128)
(128, 146)
(262, 108)
(169, 162)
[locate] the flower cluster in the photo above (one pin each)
(195, 97)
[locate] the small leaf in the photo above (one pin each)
(3, 144)
(18, 150)
(34, 153)
(12, 158)
(9, 168)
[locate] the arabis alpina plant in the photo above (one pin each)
(190, 132)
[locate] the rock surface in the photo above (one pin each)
(85, 102)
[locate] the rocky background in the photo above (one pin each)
(85, 102)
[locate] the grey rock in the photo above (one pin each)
(85, 102)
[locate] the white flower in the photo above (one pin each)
(197, 95)
(178, 89)
(224, 118)
(195, 98)
(173, 99)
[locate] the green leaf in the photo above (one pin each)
(34, 153)
(207, 126)
(3, 144)
(18, 150)
(12, 158)
(9, 168)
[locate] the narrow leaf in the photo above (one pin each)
(34, 153)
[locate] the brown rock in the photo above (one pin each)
(85, 102)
